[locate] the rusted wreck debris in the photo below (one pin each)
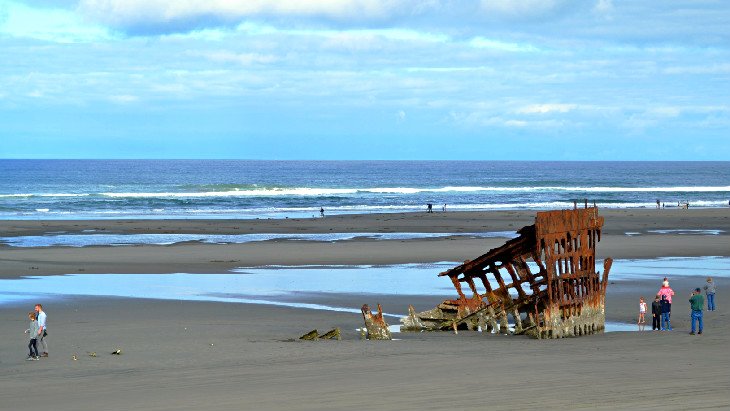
(545, 279)
(375, 325)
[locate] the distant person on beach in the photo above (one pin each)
(42, 330)
(429, 208)
(642, 311)
(321, 211)
(666, 312)
(657, 203)
(32, 332)
(697, 303)
(656, 313)
(710, 291)
(444, 208)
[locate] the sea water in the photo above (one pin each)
(81, 189)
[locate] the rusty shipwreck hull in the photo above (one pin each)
(545, 280)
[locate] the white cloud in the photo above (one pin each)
(47, 24)
(123, 99)
(547, 108)
(485, 43)
(604, 7)
(133, 12)
(711, 69)
(518, 9)
(244, 59)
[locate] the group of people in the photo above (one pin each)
(661, 308)
(38, 334)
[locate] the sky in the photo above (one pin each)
(366, 79)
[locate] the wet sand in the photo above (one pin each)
(182, 355)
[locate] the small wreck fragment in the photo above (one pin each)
(375, 325)
(545, 280)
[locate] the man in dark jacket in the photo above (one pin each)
(666, 312)
(656, 314)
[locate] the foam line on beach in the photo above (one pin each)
(316, 192)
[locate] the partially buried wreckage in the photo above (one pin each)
(545, 279)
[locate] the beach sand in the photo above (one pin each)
(184, 355)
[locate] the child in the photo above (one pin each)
(32, 331)
(642, 311)
(656, 313)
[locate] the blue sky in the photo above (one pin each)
(366, 79)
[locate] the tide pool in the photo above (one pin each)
(293, 286)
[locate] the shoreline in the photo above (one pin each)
(198, 257)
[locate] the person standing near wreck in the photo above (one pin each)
(697, 303)
(666, 312)
(642, 312)
(666, 294)
(710, 291)
(656, 313)
(42, 334)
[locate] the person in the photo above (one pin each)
(657, 203)
(666, 324)
(429, 208)
(444, 208)
(710, 291)
(42, 330)
(666, 291)
(697, 303)
(642, 311)
(321, 211)
(656, 313)
(32, 332)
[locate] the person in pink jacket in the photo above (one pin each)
(667, 292)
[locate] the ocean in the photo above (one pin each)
(108, 189)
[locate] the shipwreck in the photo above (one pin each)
(543, 283)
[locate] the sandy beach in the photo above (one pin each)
(186, 355)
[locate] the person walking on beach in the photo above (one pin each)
(666, 312)
(429, 208)
(642, 311)
(321, 211)
(656, 313)
(32, 332)
(710, 291)
(42, 330)
(697, 303)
